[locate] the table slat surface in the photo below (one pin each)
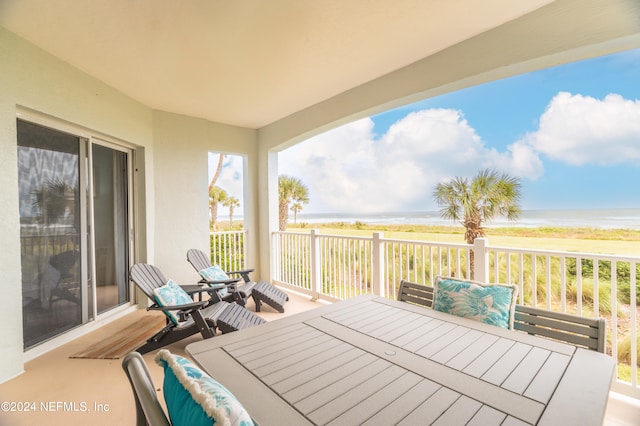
(378, 362)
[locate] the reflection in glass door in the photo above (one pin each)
(110, 195)
(73, 229)
(50, 231)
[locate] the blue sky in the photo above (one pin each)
(571, 133)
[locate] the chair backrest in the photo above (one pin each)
(148, 408)
(586, 332)
(198, 259)
(415, 293)
(147, 278)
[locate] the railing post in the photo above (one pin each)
(316, 269)
(480, 260)
(275, 259)
(377, 272)
(243, 237)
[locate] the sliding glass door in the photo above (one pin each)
(74, 215)
(110, 206)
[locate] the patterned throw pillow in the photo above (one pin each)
(490, 304)
(171, 294)
(195, 398)
(215, 273)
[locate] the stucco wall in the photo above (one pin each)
(181, 182)
(31, 79)
(171, 169)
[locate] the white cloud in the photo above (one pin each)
(581, 130)
(349, 170)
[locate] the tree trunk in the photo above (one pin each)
(283, 215)
(214, 215)
(474, 230)
(217, 173)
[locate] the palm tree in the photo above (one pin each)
(295, 208)
(290, 190)
(488, 195)
(52, 200)
(216, 195)
(232, 203)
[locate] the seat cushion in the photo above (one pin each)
(215, 273)
(195, 398)
(492, 304)
(171, 294)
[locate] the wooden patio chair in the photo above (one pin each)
(202, 316)
(149, 410)
(418, 294)
(261, 291)
(589, 333)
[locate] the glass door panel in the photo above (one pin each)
(50, 234)
(110, 225)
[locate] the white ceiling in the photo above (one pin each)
(248, 62)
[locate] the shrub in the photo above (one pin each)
(624, 350)
(604, 294)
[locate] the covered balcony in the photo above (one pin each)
(151, 87)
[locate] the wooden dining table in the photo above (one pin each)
(374, 361)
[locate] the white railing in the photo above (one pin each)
(228, 249)
(594, 285)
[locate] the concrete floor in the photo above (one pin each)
(97, 392)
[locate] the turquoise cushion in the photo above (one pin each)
(490, 304)
(194, 398)
(171, 294)
(215, 273)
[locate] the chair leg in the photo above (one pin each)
(237, 297)
(257, 301)
(162, 338)
(204, 328)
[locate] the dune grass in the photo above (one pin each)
(588, 240)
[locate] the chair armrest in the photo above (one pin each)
(223, 283)
(208, 289)
(189, 307)
(243, 273)
(184, 311)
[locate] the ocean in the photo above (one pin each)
(595, 218)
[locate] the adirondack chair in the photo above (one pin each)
(186, 319)
(261, 291)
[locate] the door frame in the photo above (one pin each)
(87, 138)
(99, 140)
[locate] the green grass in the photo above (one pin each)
(586, 240)
(624, 373)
